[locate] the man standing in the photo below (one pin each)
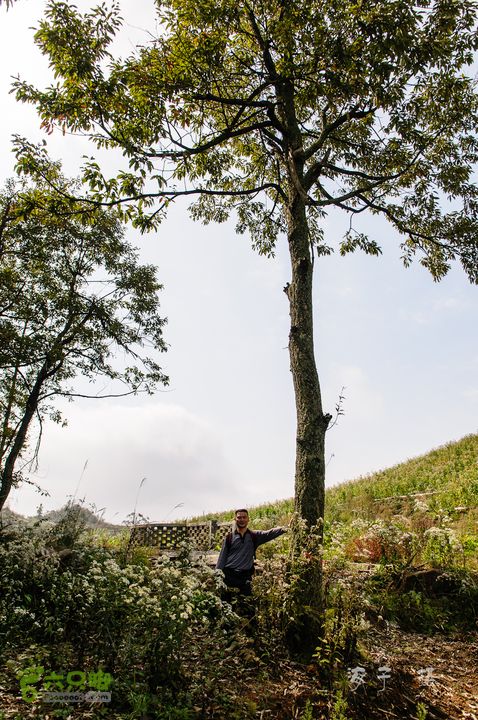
(236, 559)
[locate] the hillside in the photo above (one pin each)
(446, 479)
(400, 624)
(443, 482)
(88, 517)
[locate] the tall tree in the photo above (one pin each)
(278, 111)
(72, 298)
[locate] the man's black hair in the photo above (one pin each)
(241, 510)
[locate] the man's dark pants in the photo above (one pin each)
(240, 579)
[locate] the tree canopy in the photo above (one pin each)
(385, 117)
(278, 111)
(74, 301)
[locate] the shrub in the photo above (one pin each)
(135, 622)
(384, 543)
(442, 548)
(444, 602)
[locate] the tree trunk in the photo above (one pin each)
(305, 596)
(6, 476)
(311, 421)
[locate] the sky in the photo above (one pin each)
(223, 433)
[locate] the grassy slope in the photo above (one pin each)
(449, 472)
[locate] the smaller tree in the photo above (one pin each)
(73, 299)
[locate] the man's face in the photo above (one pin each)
(242, 519)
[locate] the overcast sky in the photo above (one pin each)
(223, 434)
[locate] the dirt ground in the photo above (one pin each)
(439, 672)
(407, 676)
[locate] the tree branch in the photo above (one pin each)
(353, 114)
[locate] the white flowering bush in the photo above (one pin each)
(136, 622)
(384, 542)
(442, 548)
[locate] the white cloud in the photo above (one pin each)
(180, 455)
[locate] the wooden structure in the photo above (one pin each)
(169, 536)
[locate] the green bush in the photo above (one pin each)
(448, 604)
(135, 622)
(442, 549)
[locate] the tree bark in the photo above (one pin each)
(6, 477)
(311, 421)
